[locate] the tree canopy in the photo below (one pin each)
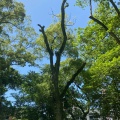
(16, 37)
(83, 73)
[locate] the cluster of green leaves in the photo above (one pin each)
(16, 34)
(16, 44)
(102, 53)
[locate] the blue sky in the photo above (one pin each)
(40, 12)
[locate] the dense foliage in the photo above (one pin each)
(15, 48)
(83, 73)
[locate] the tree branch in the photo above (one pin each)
(72, 79)
(58, 53)
(99, 22)
(5, 22)
(47, 45)
(91, 7)
(116, 8)
(63, 27)
(45, 39)
(80, 108)
(106, 28)
(83, 111)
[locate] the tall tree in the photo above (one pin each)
(16, 37)
(102, 52)
(58, 95)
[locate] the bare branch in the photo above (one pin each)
(47, 45)
(116, 8)
(70, 24)
(55, 15)
(72, 79)
(63, 26)
(58, 53)
(45, 39)
(91, 7)
(106, 28)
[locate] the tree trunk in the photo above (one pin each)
(58, 111)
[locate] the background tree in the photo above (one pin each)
(100, 49)
(15, 45)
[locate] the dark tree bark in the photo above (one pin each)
(115, 7)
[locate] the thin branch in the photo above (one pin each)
(106, 28)
(80, 108)
(12, 24)
(78, 86)
(68, 21)
(55, 15)
(70, 24)
(104, 37)
(91, 7)
(83, 111)
(116, 8)
(87, 98)
(72, 79)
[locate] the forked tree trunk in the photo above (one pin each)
(58, 106)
